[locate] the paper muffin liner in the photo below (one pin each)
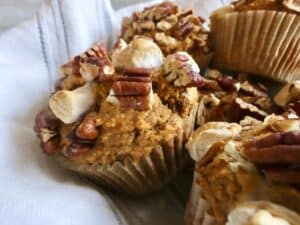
(197, 210)
(260, 42)
(189, 122)
(148, 174)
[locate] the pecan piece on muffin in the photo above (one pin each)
(224, 98)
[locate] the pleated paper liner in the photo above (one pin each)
(260, 42)
(189, 122)
(148, 174)
(197, 210)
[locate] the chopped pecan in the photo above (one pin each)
(159, 11)
(182, 29)
(227, 83)
(87, 128)
(45, 120)
(132, 90)
(93, 63)
(273, 151)
(51, 146)
(126, 88)
(181, 70)
(173, 30)
(253, 110)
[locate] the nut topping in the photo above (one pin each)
(132, 90)
(51, 146)
(181, 70)
(87, 128)
(45, 120)
(172, 28)
(275, 150)
(46, 126)
(93, 63)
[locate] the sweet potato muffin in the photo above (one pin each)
(107, 122)
(258, 37)
(172, 28)
(245, 166)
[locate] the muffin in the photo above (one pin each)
(258, 37)
(172, 28)
(229, 99)
(107, 121)
(246, 166)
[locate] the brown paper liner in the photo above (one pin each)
(189, 122)
(197, 208)
(260, 42)
(148, 174)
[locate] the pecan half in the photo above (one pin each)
(93, 63)
(278, 155)
(87, 128)
(181, 70)
(131, 88)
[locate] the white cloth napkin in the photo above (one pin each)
(33, 191)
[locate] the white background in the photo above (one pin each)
(14, 11)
